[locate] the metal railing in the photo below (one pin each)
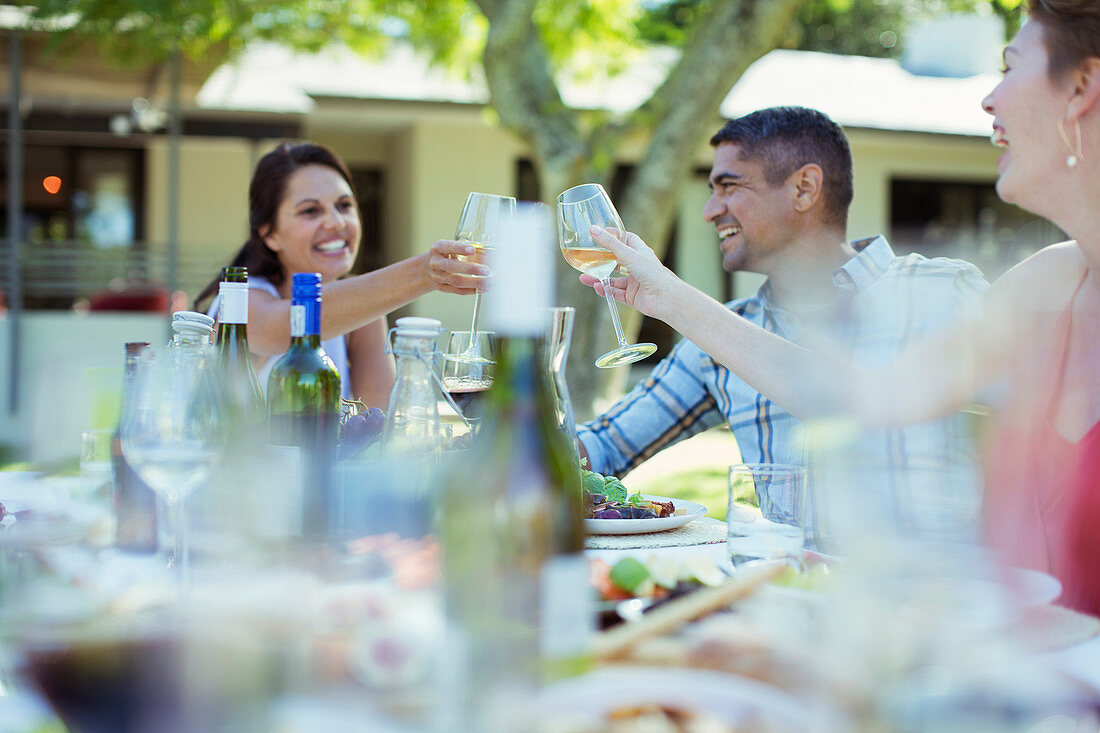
(58, 274)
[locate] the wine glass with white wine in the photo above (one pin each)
(478, 225)
(580, 208)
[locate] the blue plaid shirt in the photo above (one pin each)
(883, 302)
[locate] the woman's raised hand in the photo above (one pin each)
(646, 286)
(453, 268)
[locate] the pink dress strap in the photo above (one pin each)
(1080, 548)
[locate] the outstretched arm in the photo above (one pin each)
(353, 302)
(928, 380)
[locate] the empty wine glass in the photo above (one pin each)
(173, 435)
(477, 225)
(580, 208)
(464, 380)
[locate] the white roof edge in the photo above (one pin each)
(855, 91)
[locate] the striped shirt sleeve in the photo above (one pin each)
(671, 404)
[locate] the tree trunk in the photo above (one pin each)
(726, 40)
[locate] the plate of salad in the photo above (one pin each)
(611, 509)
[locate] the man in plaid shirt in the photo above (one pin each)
(781, 185)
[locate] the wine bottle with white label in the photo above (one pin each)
(242, 387)
(516, 582)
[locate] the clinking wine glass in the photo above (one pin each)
(580, 208)
(478, 225)
(173, 435)
(467, 381)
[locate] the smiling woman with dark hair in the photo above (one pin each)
(303, 218)
(1038, 333)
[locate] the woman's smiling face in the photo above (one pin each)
(1027, 107)
(317, 226)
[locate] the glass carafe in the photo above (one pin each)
(558, 337)
(412, 415)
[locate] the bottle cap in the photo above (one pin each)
(306, 285)
(133, 348)
(192, 322)
(416, 326)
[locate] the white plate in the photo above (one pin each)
(690, 512)
(583, 702)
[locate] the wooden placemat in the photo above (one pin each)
(703, 531)
(1048, 628)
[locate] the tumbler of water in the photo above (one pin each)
(777, 529)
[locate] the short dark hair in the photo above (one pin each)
(265, 193)
(1071, 31)
(783, 139)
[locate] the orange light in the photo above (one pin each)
(52, 184)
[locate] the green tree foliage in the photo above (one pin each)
(857, 27)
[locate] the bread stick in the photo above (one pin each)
(619, 640)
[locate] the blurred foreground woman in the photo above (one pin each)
(1038, 333)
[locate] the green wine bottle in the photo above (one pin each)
(303, 404)
(242, 388)
(516, 579)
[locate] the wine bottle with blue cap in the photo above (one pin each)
(303, 401)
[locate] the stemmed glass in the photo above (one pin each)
(579, 208)
(173, 434)
(477, 225)
(464, 380)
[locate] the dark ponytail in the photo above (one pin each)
(265, 193)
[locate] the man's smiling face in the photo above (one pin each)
(752, 218)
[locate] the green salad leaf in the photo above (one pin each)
(592, 482)
(609, 486)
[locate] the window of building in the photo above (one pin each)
(77, 194)
(82, 218)
(965, 220)
(370, 188)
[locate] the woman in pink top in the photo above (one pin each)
(1039, 329)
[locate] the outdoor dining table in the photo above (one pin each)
(1069, 646)
(1074, 656)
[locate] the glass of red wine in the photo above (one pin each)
(467, 381)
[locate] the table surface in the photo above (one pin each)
(23, 710)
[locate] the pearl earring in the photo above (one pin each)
(1074, 156)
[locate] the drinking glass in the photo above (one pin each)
(478, 225)
(95, 457)
(464, 380)
(173, 435)
(580, 208)
(777, 530)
